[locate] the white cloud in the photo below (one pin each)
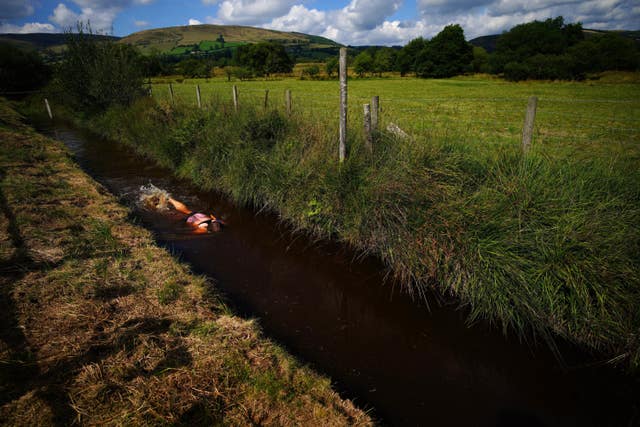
(194, 22)
(31, 27)
(252, 12)
(100, 13)
(301, 19)
(141, 23)
(10, 9)
(366, 14)
(210, 2)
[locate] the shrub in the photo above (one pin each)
(98, 74)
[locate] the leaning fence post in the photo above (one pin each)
(266, 99)
(287, 101)
(368, 137)
(343, 103)
(527, 131)
(235, 98)
(171, 91)
(46, 104)
(198, 96)
(375, 109)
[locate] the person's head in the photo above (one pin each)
(215, 227)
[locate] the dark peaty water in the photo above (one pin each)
(408, 364)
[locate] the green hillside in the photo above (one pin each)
(209, 39)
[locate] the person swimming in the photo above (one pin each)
(201, 222)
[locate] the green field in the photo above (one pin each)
(570, 116)
(204, 46)
(544, 244)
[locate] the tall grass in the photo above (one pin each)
(543, 244)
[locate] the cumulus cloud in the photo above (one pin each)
(252, 12)
(31, 27)
(194, 22)
(100, 13)
(11, 9)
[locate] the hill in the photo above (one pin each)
(41, 41)
(204, 40)
(489, 42)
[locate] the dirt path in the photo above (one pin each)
(99, 325)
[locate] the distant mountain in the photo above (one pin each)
(42, 41)
(203, 40)
(489, 42)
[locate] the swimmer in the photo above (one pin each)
(202, 223)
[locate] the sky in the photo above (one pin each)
(351, 22)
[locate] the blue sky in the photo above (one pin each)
(353, 22)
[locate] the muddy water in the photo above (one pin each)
(409, 365)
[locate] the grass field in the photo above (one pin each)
(570, 116)
(545, 243)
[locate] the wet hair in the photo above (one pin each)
(215, 226)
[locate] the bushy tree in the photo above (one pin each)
(406, 58)
(331, 66)
(264, 58)
(446, 55)
(363, 63)
(97, 74)
(21, 70)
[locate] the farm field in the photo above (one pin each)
(473, 110)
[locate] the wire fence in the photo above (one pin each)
(574, 119)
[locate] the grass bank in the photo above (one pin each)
(100, 326)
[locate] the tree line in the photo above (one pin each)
(547, 49)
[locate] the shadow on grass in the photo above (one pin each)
(21, 373)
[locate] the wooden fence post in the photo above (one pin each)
(46, 104)
(368, 136)
(235, 98)
(343, 103)
(375, 109)
(266, 99)
(527, 131)
(171, 92)
(287, 101)
(198, 96)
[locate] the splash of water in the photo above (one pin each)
(152, 197)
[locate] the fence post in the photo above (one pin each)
(368, 136)
(266, 99)
(375, 109)
(527, 131)
(287, 101)
(46, 104)
(171, 92)
(235, 98)
(343, 103)
(198, 96)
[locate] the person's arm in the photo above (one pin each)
(179, 206)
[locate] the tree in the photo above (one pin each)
(480, 62)
(363, 63)
(21, 70)
(549, 37)
(383, 60)
(331, 66)
(446, 55)
(312, 71)
(406, 58)
(97, 74)
(264, 58)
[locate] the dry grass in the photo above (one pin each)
(85, 336)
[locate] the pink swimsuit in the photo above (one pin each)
(197, 217)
